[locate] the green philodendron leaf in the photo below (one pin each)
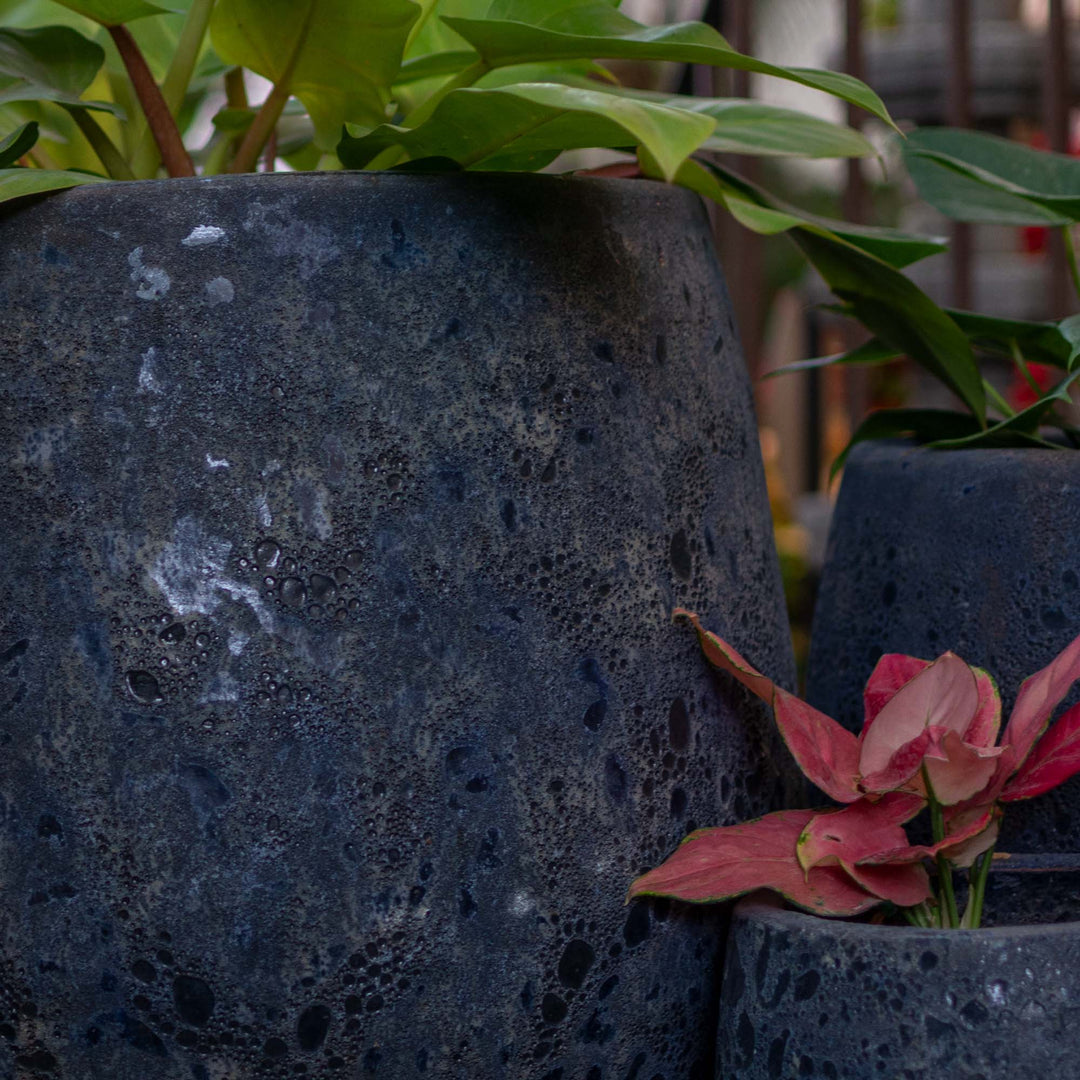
(527, 32)
(1069, 329)
(15, 183)
(13, 146)
(50, 63)
(1038, 342)
(1018, 430)
(763, 212)
(340, 56)
(975, 177)
(435, 65)
(924, 425)
(504, 127)
(868, 354)
(112, 12)
(897, 311)
(754, 127)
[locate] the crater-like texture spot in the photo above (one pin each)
(574, 964)
(681, 561)
(678, 725)
(312, 1027)
(194, 999)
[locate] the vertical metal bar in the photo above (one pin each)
(854, 64)
(744, 257)
(1056, 119)
(958, 114)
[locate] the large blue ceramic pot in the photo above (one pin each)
(339, 697)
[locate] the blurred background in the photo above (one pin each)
(1000, 66)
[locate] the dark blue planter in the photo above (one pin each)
(339, 697)
(811, 997)
(973, 551)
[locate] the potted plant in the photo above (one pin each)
(965, 547)
(805, 997)
(348, 507)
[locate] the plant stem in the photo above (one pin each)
(103, 146)
(235, 89)
(1070, 251)
(269, 114)
(979, 874)
(997, 400)
(945, 881)
(163, 127)
(177, 79)
(1023, 369)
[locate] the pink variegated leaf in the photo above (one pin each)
(945, 694)
(966, 842)
(902, 770)
(984, 728)
(1054, 760)
(905, 884)
(722, 863)
(956, 770)
(1039, 696)
(857, 831)
(826, 752)
(965, 829)
(890, 673)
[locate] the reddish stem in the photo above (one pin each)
(163, 127)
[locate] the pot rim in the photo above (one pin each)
(338, 178)
(768, 908)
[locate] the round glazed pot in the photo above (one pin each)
(340, 696)
(805, 996)
(969, 550)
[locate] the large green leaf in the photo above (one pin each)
(339, 57)
(763, 212)
(527, 32)
(15, 183)
(1020, 429)
(112, 12)
(13, 146)
(755, 127)
(898, 312)
(869, 354)
(51, 63)
(1038, 342)
(975, 177)
(924, 425)
(534, 121)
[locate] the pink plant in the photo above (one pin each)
(929, 740)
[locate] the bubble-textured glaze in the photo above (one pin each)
(340, 700)
(969, 550)
(805, 996)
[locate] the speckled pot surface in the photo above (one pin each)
(339, 697)
(810, 997)
(973, 551)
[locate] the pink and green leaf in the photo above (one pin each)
(858, 831)
(944, 694)
(722, 863)
(1039, 696)
(891, 672)
(826, 752)
(1055, 759)
(905, 884)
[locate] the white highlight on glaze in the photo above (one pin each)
(190, 572)
(220, 291)
(262, 508)
(521, 904)
(151, 282)
(216, 463)
(996, 993)
(223, 687)
(202, 235)
(237, 640)
(312, 245)
(148, 381)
